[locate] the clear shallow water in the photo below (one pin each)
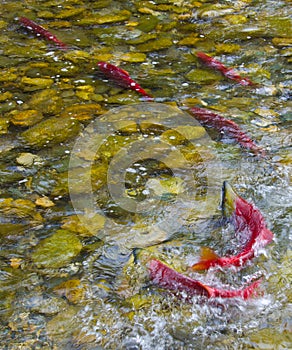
(110, 303)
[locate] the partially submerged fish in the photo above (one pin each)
(248, 221)
(41, 31)
(167, 278)
(227, 72)
(121, 78)
(226, 127)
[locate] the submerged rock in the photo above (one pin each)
(47, 101)
(73, 290)
(25, 118)
(57, 250)
(51, 132)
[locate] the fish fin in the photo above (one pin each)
(208, 257)
(252, 290)
(228, 199)
(267, 235)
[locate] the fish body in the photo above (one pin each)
(247, 220)
(121, 78)
(220, 67)
(167, 278)
(225, 126)
(41, 31)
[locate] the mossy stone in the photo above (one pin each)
(4, 123)
(51, 132)
(57, 250)
(155, 45)
(202, 76)
(47, 101)
(26, 118)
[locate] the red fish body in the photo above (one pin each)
(41, 31)
(247, 220)
(225, 126)
(227, 72)
(169, 279)
(121, 78)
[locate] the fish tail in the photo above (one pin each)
(251, 290)
(246, 293)
(228, 199)
(208, 258)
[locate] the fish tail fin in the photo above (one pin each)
(267, 235)
(251, 290)
(228, 199)
(208, 258)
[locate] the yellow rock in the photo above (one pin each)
(44, 202)
(26, 118)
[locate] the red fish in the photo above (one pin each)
(41, 31)
(167, 278)
(225, 126)
(227, 72)
(247, 221)
(122, 78)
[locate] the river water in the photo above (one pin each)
(95, 180)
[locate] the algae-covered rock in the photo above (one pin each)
(75, 223)
(73, 290)
(214, 10)
(4, 123)
(182, 134)
(25, 118)
(31, 84)
(51, 132)
(83, 111)
(28, 159)
(190, 40)
(282, 42)
(46, 101)
(19, 208)
(227, 48)
(121, 16)
(61, 326)
(70, 12)
(57, 250)
(134, 57)
(147, 23)
(166, 187)
(47, 306)
(201, 76)
(155, 45)
(279, 26)
(44, 202)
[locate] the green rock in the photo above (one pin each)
(51, 131)
(20, 209)
(202, 76)
(155, 45)
(147, 23)
(31, 84)
(75, 223)
(214, 10)
(69, 13)
(182, 134)
(57, 250)
(121, 16)
(166, 187)
(4, 123)
(61, 326)
(47, 101)
(134, 57)
(141, 39)
(280, 26)
(26, 118)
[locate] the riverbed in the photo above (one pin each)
(95, 179)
